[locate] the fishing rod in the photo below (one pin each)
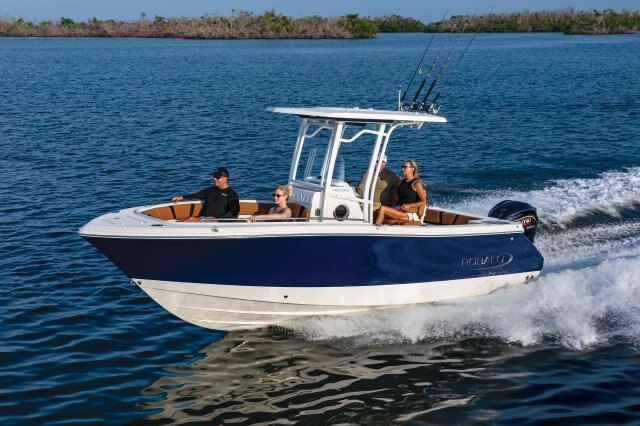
(453, 70)
(435, 99)
(422, 58)
(435, 80)
(428, 74)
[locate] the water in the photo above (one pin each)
(90, 126)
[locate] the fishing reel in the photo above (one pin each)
(409, 106)
(420, 107)
(434, 109)
(425, 106)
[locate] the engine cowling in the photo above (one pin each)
(518, 211)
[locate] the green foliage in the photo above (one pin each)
(358, 27)
(398, 24)
(159, 21)
(276, 22)
(243, 25)
(568, 21)
(67, 22)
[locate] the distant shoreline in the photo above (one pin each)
(568, 21)
(242, 25)
(272, 25)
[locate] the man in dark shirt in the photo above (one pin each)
(220, 201)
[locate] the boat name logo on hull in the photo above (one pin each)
(487, 262)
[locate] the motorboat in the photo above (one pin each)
(330, 258)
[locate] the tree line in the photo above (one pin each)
(273, 25)
(240, 25)
(568, 21)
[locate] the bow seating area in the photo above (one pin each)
(433, 216)
(247, 208)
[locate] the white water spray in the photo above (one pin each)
(589, 290)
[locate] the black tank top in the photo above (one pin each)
(406, 193)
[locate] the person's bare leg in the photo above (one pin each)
(376, 212)
(390, 213)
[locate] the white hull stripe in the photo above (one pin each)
(227, 307)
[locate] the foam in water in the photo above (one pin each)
(565, 200)
(574, 308)
(588, 292)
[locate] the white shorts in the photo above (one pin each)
(412, 216)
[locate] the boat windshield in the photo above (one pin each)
(313, 158)
(351, 162)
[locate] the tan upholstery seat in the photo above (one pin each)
(184, 210)
(295, 209)
(443, 217)
(438, 217)
(254, 207)
(174, 211)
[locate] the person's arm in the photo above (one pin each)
(285, 214)
(422, 197)
(197, 196)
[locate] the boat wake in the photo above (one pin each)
(427, 362)
(587, 295)
(614, 195)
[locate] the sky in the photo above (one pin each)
(425, 10)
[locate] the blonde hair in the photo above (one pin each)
(416, 175)
(286, 190)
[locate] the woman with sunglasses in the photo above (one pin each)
(411, 196)
(280, 211)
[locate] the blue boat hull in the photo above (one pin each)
(321, 261)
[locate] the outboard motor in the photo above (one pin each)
(518, 211)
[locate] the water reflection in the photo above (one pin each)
(270, 376)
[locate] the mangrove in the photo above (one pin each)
(240, 25)
(567, 21)
(273, 25)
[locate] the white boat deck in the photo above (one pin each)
(132, 223)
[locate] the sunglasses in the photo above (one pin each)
(406, 167)
(277, 195)
(218, 177)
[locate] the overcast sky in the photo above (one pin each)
(424, 10)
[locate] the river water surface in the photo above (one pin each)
(89, 126)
